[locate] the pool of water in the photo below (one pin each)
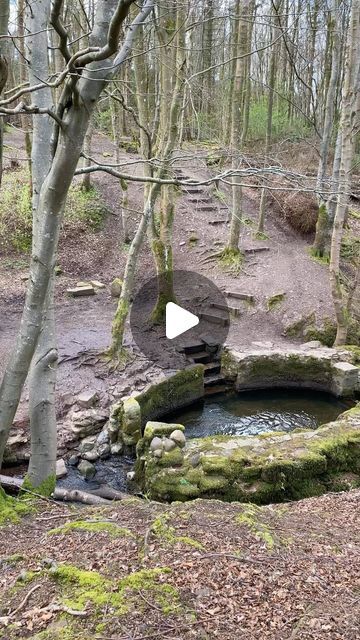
(254, 412)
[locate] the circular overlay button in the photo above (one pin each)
(195, 318)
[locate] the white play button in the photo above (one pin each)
(178, 320)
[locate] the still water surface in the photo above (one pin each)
(254, 412)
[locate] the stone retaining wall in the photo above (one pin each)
(307, 367)
(269, 468)
(128, 417)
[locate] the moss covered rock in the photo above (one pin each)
(129, 417)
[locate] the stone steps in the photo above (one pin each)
(218, 221)
(204, 200)
(214, 381)
(192, 190)
(236, 311)
(192, 347)
(215, 319)
(253, 250)
(211, 368)
(239, 295)
(202, 357)
(213, 390)
(211, 344)
(210, 207)
(79, 291)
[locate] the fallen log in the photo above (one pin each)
(74, 495)
(9, 483)
(103, 495)
(106, 491)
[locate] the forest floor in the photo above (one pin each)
(140, 570)
(84, 324)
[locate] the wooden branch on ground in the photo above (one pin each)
(104, 495)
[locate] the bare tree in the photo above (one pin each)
(242, 8)
(323, 227)
(164, 155)
(349, 127)
(91, 69)
(42, 376)
(4, 67)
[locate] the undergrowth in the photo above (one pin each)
(82, 207)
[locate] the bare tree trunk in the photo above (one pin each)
(247, 97)
(42, 376)
(207, 50)
(116, 131)
(271, 84)
(236, 125)
(23, 78)
(234, 35)
(86, 181)
(322, 226)
(162, 238)
(4, 67)
(349, 127)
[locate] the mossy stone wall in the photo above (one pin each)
(323, 369)
(270, 468)
(128, 417)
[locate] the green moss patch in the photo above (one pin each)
(259, 470)
(162, 530)
(80, 587)
(275, 301)
(251, 517)
(326, 333)
(100, 526)
(175, 392)
(13, 509)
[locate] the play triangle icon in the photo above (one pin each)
(178, 320)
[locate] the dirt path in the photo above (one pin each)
(84, 324)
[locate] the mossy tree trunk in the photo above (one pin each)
(163, 254)
(349, 126)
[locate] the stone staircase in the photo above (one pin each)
(202, 201)
(205, 351)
